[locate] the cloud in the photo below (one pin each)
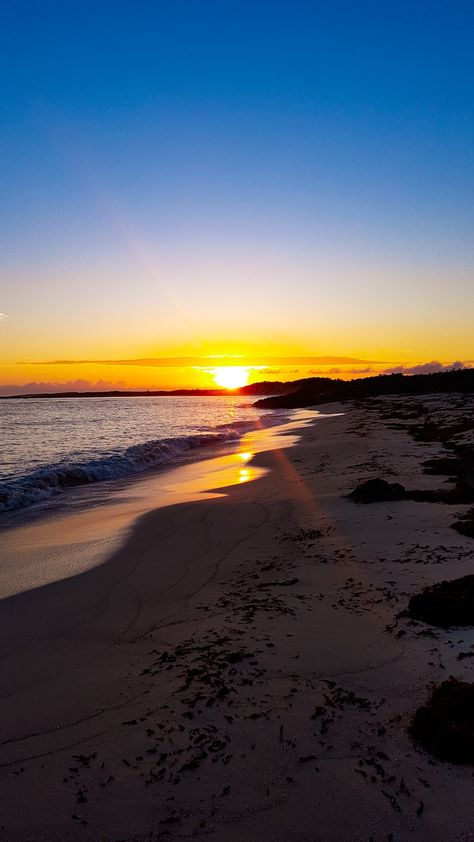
(207, 361)
(433, 367)
(265, 371)
(320, 372)
(3, 316)
(70, 386)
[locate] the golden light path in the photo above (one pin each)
(231, 376)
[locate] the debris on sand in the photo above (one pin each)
(445, 604)
(445, 724)
(378, 490)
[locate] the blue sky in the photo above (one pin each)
(352, 119)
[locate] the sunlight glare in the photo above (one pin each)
(231, 376)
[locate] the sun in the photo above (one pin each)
(231, 376)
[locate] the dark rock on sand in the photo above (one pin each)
(445, 724)
(465, 526)
(443, 466)
(377, 490)
(448, 603)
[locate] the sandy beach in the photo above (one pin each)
(234, 667)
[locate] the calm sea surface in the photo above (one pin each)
(50, 445)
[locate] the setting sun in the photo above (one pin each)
(231, 376)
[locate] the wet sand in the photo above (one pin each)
(236, 668)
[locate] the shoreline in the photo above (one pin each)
(40, 489)
(257, 686)
(91, 522)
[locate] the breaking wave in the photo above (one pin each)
(50, 480)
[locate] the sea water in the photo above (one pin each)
(50, 445)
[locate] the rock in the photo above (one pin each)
(377, 490)
(446, 604)
(465, 526)
(445, 725)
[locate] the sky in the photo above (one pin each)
(287, 186)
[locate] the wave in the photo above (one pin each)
(50, 480)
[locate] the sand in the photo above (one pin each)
(235, 668)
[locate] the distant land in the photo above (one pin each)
(316, 390)
(305, 392)
(273, 387)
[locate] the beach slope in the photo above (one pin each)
(238, 669)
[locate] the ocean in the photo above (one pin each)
(48, 446)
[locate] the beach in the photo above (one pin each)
(233, 666)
